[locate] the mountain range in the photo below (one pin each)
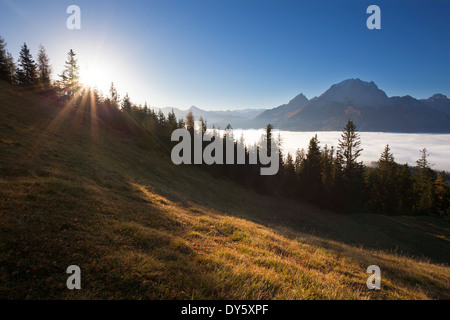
(220, 119)
(363, 102)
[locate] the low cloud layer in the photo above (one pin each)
(404, 146)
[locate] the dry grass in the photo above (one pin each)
(73, 191)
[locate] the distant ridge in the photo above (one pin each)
(366, 104)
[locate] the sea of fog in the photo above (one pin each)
(404, 146)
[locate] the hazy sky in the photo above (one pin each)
(228, 54)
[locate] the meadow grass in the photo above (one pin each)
(75, 191)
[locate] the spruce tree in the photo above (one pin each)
(126, 104)
(172, 121)
(10, 68)
(405, 189)
(299, 158)
(442, 194)
(44, 68)
(26, 73)
(203, 125)
(423, 185)
(190, 125)
(3, 60)
(384, 192)
(7, 65)
(70, 77)
(353, 171)
(310, 173)
(290, 176)
(114, 97)
(269, 129)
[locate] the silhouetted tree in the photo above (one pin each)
(114, 97)
(44, 68)
(4, 70)
(423, 185)
(126, 104)
(384, 191)
(172, 122)
(442, 194)
(405, 189)
(70, 78)
(310, 173)
(26, 74)
(10, 68)
(353, 171)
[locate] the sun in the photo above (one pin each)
(94, 76)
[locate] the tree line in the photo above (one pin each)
(324, 176)
(335, 178)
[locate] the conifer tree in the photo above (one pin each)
(126, 104)
(353, 171)
(442, 194)
(310, 173)
(423, 185)
(203, 124)
(269, 129)
(10, 68)
(26, 74)
(172, 121)
(299, 158)
(3, 60)
(70, 77)
(405, 189)
(384, 192)
(44, 68)
(114, 97)
(190, 125)
(289, 181)
(327, 166)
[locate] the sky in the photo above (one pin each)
(236, 54)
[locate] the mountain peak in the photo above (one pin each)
(438, 96)
(299, 99)
(356, 82)
(194, 109)
(355, 92)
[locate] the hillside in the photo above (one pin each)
(76, 191)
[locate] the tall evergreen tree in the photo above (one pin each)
(299, 158)
(327, 166)
(310, 173)
(269, 129)
(353, 171)
(3, 60)
(203, 124)
(126, 104)
(290, 176)
(190, 125)
(442, 194)
(114, 97)
(405, 189)
(384, 191)
(44, 68)
(423, 185)
(10, 68)
(70, 77)
(26, 73)
(172, 121)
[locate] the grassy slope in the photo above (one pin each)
(73, 191)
